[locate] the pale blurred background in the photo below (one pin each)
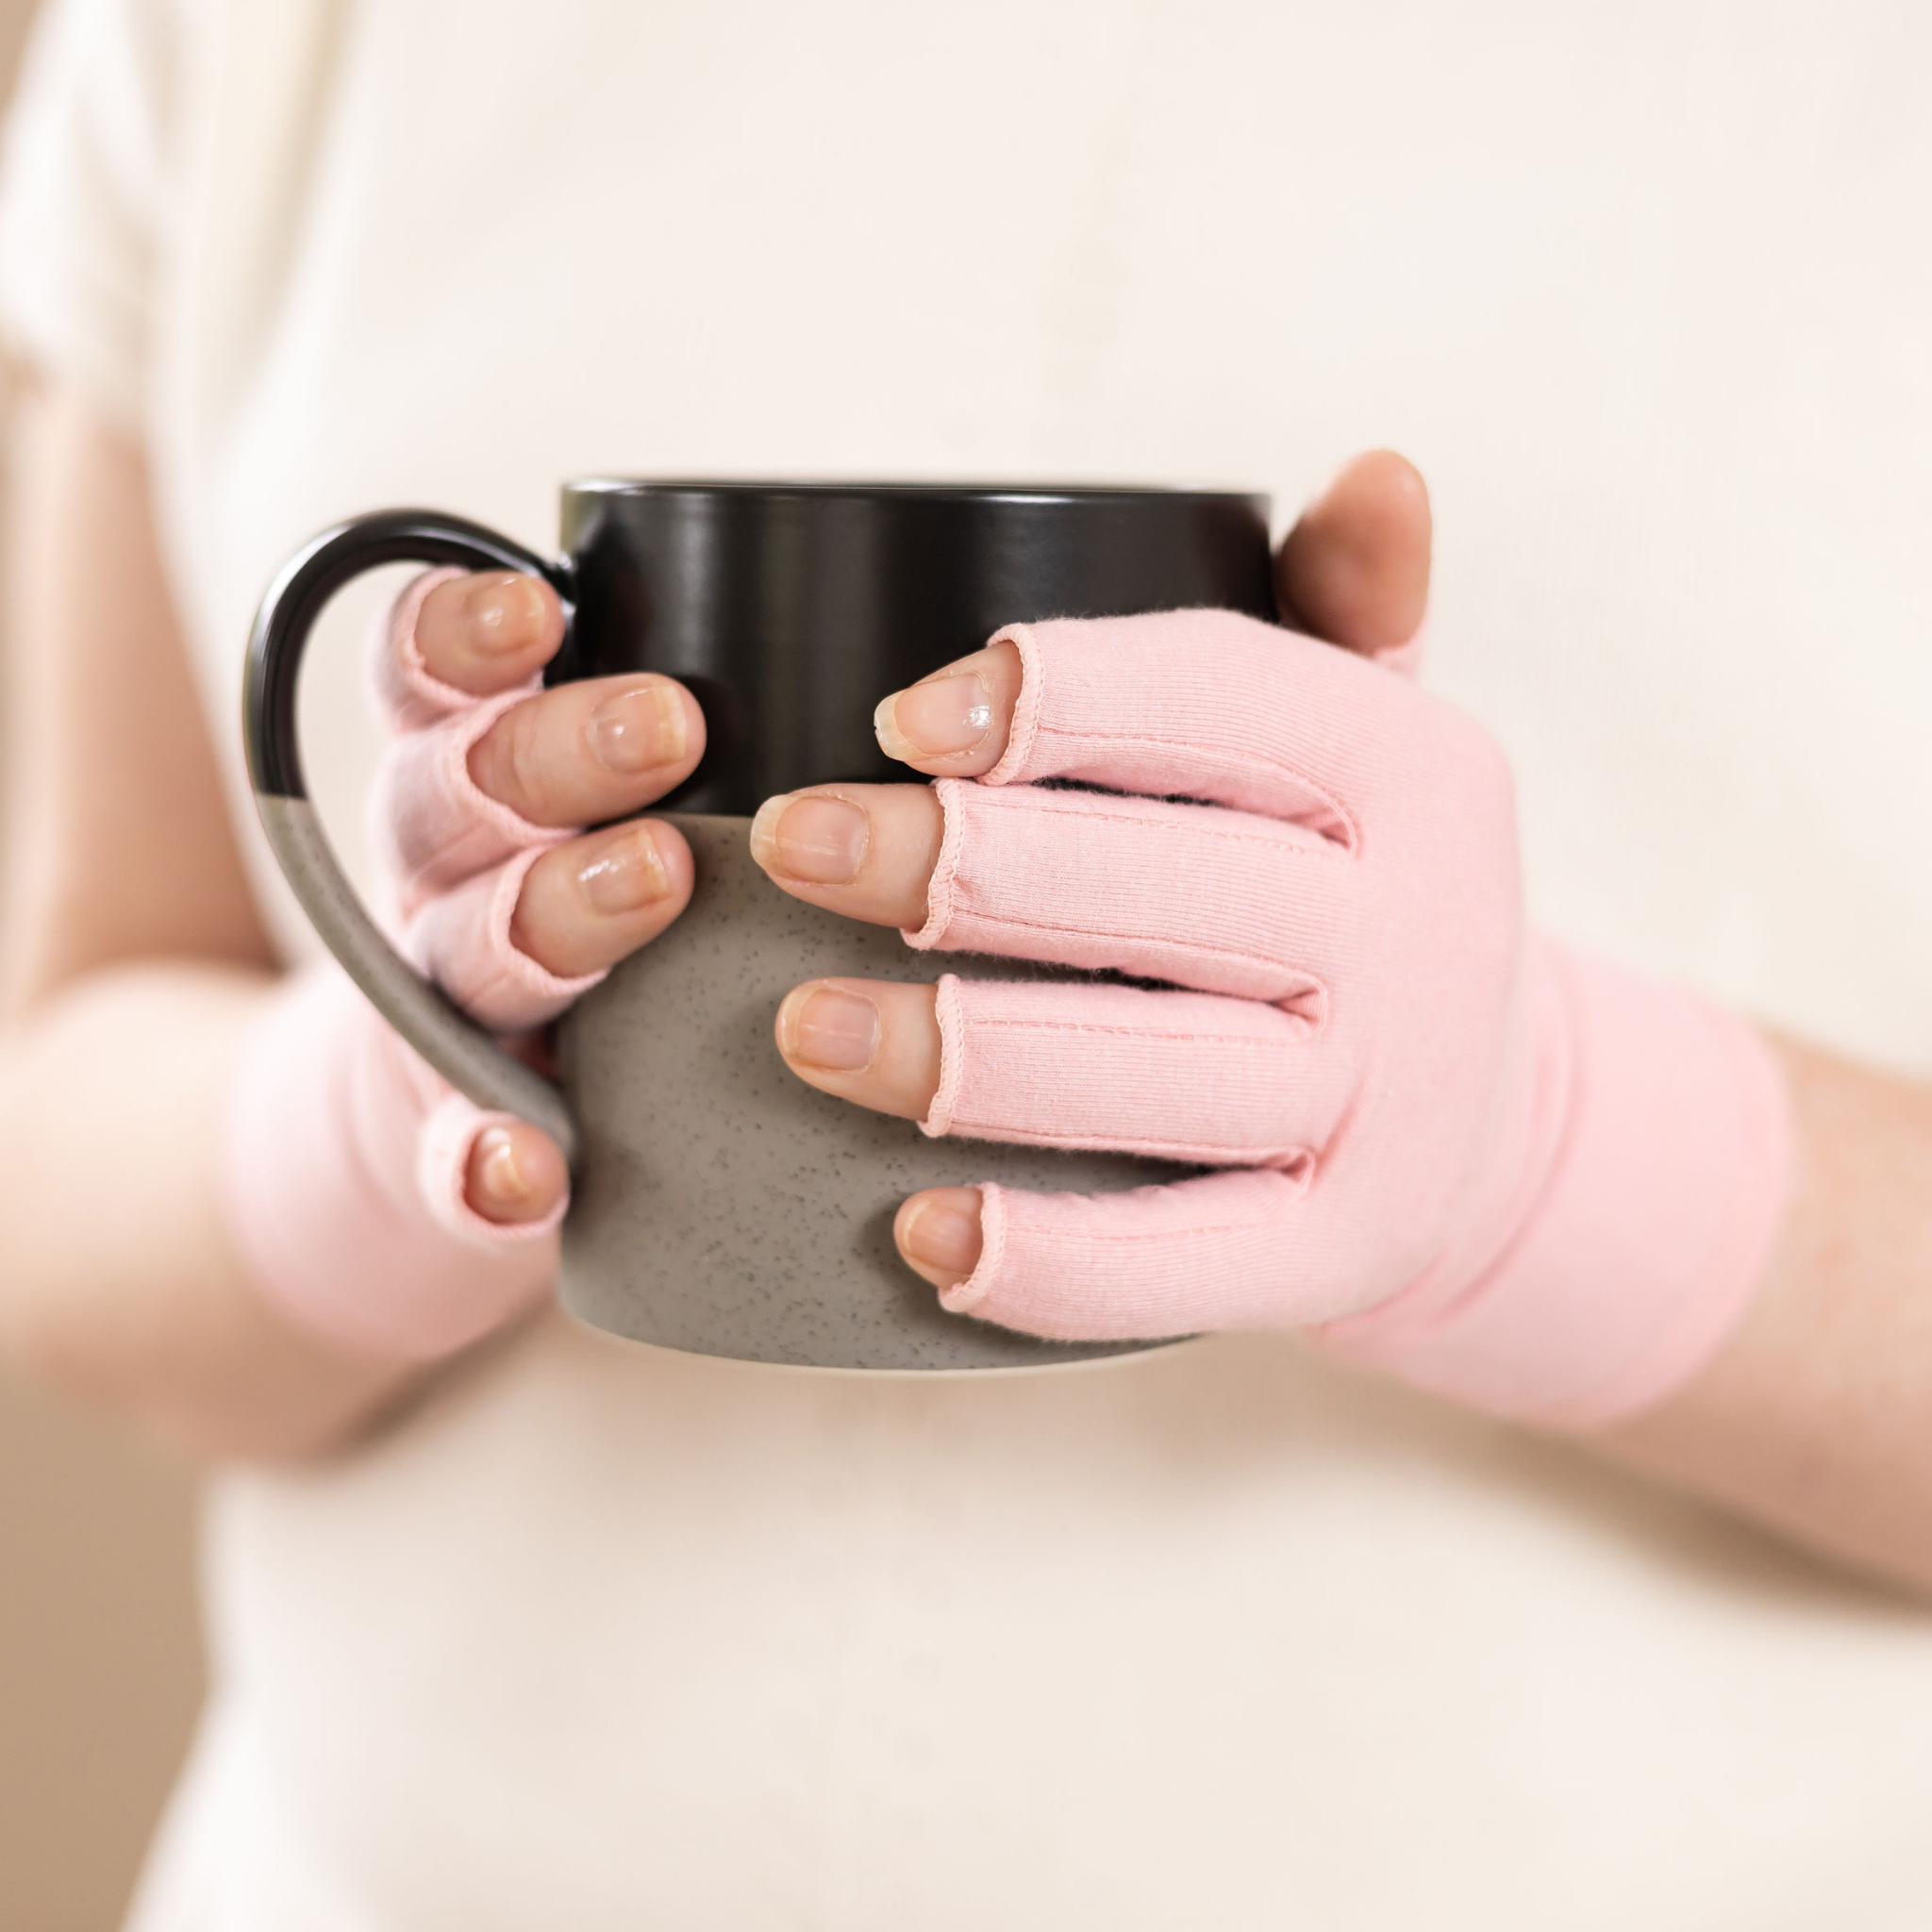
(100, 1672)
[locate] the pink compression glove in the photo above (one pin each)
(345, 1155)
(1514, 1176)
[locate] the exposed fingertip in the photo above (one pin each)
(625, 871)
(1385, 472)
(938, 1233)
(1382, 480)
(954, 722)
(885, 728)
(642, 727)
(830, 1026)
(1354, 568)
(659, 854)
(764, 830)
(942, 717)
(486, 632)
(589, 902)
(515, 1174)
(811, 837)
(675, 863)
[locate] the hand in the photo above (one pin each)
(511, 909)
(373, 1206)
(1354, 571)
(1518, 1177)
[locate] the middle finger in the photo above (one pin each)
(1217, 901)
(591, 751)
(866, 851)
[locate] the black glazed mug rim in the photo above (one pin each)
(602, 484)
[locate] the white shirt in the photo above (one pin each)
(603, 1636)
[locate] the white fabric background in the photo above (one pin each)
(609, 1637)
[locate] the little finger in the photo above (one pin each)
(515, 1174)
(1223, 1251)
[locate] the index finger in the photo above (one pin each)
(1220, 708)
(955, 723)
(488, 632)
(1353, 572)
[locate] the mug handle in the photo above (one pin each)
(467, 1057)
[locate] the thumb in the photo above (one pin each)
(1355, 569)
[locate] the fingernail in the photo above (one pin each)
(503, 614)
(832, 1029)
(944, 1237)
(924, 721)
(498, 1173)
(637, 730)
(626, 876)
(814, 838)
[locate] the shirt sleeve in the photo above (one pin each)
(83, 197)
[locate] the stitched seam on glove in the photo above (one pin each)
(1293, 986)
(1020, 734)
(938, 896)
(1347, 839)
(963, 1296)
(1205, 1153)
(1101, 1031)
(938, 1116)
(1221, 823)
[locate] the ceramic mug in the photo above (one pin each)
(720, 1204)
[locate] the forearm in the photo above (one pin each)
(1815, 1416)
(119, 1281)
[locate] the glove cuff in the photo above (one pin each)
(1648, 1192)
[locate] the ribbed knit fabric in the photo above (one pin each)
(1526, 1181)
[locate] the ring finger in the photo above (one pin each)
(588, 903)
(1177, 1075)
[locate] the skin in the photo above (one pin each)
(132, 961)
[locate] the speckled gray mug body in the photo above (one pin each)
(723, 1206)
